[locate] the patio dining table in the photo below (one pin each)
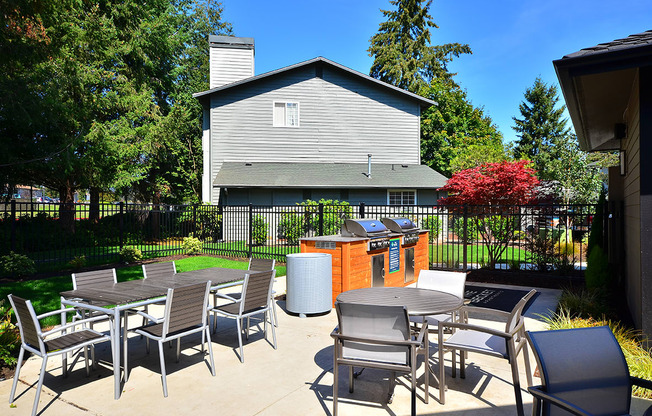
(123, 296)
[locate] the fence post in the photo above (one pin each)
(121, 222)
(362, 209)
(321, 219)
(251, 228)
(466, 237)
(13, 225)
(194, 220)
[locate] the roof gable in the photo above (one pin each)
(424, 102)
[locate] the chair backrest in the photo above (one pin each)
(28, 325)
(449, 282)
(374, 322)
(94, 278)
(185, 307)
(257, 290)
(584, 366)
(261, 265)
(159, 270)
(516, 315)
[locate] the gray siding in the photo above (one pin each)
(341, 120)
(229, 65)
(632, 206)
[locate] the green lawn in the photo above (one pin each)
(44, 293)
(476, 253)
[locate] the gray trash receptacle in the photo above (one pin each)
(309, 283)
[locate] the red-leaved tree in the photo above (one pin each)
(491, 194)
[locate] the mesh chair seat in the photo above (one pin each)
(480, 342)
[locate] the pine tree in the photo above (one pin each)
(546, 140)
(542, 124)
(401, 49)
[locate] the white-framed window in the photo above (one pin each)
(402, 197)
(286, 114)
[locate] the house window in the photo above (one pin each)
(402, 197)
(286, 114)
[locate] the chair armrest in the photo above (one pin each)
(540, 394)
(223, 296)
(486, 311)
(55, 312)
(640, 382)
(78, 305)
(380, 341)
(472, 327)
(72, 325)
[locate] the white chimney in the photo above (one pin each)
(231, 59)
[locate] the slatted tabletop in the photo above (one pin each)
(137, 290)
(417, 301)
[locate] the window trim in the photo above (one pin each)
(402, 190)
(286, 102)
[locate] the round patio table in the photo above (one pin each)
(417, 301)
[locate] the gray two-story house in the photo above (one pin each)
(312, 130)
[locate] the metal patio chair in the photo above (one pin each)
(583, 372)
(443, 281)
(185, 314)
(256, 299)
(57, 341)
(379, 337)
(483, 340)
(159, 270)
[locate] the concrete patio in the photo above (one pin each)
(295, 379)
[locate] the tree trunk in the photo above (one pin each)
(94, 207)
(67, 207)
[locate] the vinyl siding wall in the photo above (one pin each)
(229, 65)
(632, 205)
(341, 119)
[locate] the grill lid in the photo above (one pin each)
(364, 228)
(400, 225)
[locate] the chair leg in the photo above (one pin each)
(462, 364)
(517, 385)
(179, 348)
(274, 306)
(40, 385)
(440, 351)
(125, 343)
(528, 368)
(247, 331)
(273, 326)
(426, 376)
(88, 370)
(21, 354)
(335, 382)
(351, 379)
(239, 325)
(162, 360)
(210, 348)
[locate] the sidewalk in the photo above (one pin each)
(295, 379)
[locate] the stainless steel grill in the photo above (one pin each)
(403, 226)
(374, 230)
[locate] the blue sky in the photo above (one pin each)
(513, 42)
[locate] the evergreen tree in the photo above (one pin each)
(455, 135)
(401, 49)
(545, 139)
(542, 124)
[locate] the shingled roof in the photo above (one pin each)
(327, 175)
(632, 41)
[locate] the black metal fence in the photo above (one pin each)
(540, 237)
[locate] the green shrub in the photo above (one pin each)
(259, 230)
(192, 245)
(334, 214)
(78, 262)
(130, 254)
(432, 223)
(597, 274)
(584, 303)
(16, 265)
(471, 229)
(9, 336)
(291, 227)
